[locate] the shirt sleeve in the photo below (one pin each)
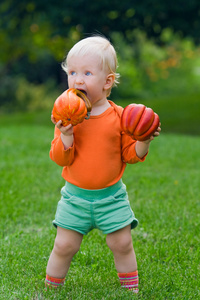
(128, 150)
(58, 154)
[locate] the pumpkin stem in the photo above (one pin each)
(88, 115)
(86, 100)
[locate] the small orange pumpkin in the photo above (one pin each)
(72, 107)
(139, 121)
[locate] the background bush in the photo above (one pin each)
(147, 70)
(157, 46)
(150, 70)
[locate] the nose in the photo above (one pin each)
(79, 79)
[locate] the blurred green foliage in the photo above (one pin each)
(151, 70)
(156, 42)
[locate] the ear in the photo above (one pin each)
(109, 81)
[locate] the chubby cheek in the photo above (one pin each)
(70, 82)
(95, 94)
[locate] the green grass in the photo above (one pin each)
(164, 194)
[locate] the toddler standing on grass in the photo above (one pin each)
(94, 155)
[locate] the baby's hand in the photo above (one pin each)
(66, 130)
(156, 133)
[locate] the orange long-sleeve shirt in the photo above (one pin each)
(98, 156)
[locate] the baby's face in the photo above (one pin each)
(86, 74)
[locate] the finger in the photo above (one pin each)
(157, 133)
(68, 126)
(59, 124)
(52, 119)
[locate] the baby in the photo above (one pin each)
(94, 155)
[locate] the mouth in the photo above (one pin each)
(82, 94)
(82, 91)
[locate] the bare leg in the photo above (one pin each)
(120, 243)
(67, 244)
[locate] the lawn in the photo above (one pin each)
(164, 194)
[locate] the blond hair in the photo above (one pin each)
(100, 46)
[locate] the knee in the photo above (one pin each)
(122, 245)
(65, 247)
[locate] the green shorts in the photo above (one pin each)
(82, 210)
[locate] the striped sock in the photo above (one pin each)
(129, 280)
(52, 282)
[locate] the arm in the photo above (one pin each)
(142, 148)
(66, 133)
(62, 149)
(129, 154)
(135, 151)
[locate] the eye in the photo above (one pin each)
(88, 73)
(72, 73)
